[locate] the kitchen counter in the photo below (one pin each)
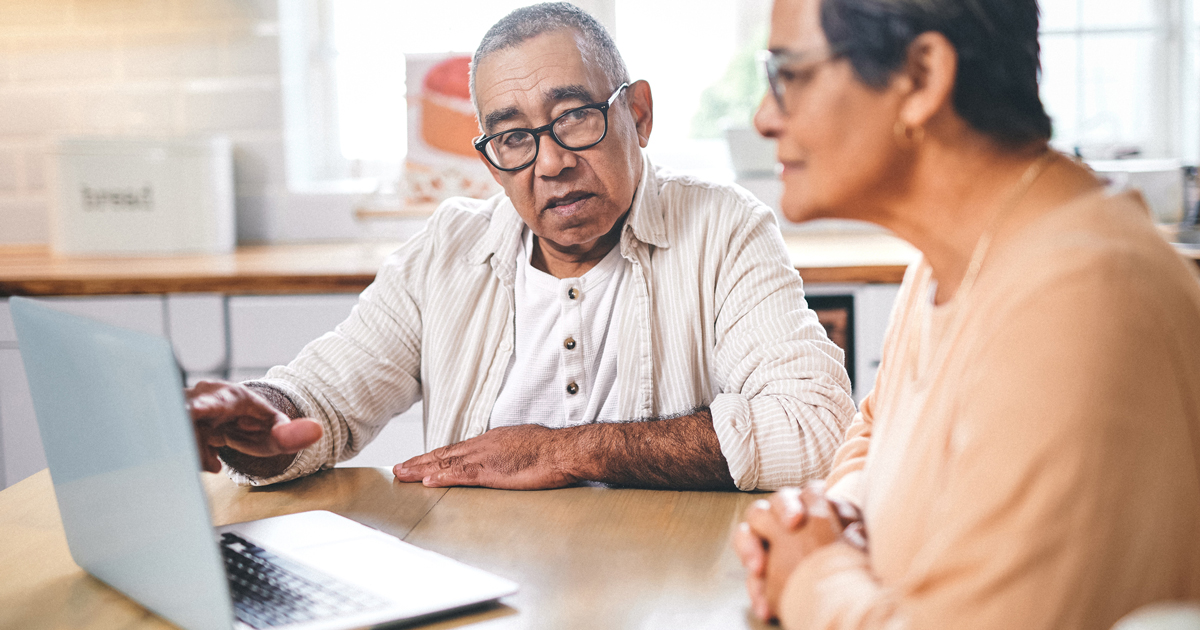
(350, 267)
(840, 257)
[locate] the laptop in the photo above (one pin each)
(123, 459)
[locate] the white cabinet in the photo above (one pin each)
(196, 326)
(143, 313)
(269, 330)
(20, 445)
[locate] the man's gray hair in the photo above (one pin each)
(528, 22)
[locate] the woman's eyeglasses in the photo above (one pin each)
(793, 67)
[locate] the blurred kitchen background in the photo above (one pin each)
(311, 93)
(134, 107)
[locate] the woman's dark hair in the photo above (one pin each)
(996, 88)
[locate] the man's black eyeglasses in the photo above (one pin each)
(575, 130)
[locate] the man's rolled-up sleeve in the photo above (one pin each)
(785, 402)
(354, 379)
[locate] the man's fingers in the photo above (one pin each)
(208, 455)
(490, 460)
(209, 462)
(220, 402)
(295, 435)
(439, 459)
(408, 475)
(417, 468)
(229, 415)
(460, 474)
(286, 437)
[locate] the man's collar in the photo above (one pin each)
(645, 223)
(501, 241)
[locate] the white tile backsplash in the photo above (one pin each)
(12, 170)
(217, 112)
(138, 68)
(35, 170)
(171, 59)
(103, 113)
(107, 13)
(24, 221)
(17, 14)
(256, 55)
(73, 62)
(33, 113)
(204, 10)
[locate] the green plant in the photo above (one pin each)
(732, 101)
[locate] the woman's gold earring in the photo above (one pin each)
(908, 137)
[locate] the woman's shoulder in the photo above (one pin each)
(1099, 240)
(1092, 275)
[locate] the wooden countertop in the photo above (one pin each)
(350, 267)
(271, 269)
(844, 257)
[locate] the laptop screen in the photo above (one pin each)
(122, 455)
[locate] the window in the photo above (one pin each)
(1119, 77)
(702, 73)
(370, 40)
(343, 72)
(344, 78)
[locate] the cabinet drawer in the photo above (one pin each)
(8, 334)
(143, 313)
(265, 331)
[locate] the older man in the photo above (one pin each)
(602, 320)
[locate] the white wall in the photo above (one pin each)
(136, 68)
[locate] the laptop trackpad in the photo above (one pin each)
(377, 564)
(374, 561)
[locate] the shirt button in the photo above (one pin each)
(569, 344)
(572, 389)
(573, 293)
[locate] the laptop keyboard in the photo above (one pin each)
(272, 591)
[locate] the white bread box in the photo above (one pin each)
(123, 196)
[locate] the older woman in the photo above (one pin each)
(1029, 455)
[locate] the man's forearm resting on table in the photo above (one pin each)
(263, 467)
(678, 453)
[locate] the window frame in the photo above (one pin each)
(314, 163)
(1176, 125)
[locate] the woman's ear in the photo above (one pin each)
(928, 77)
(641, 105)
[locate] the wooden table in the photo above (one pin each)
(584, 557)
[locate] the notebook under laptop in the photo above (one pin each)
(125, 467)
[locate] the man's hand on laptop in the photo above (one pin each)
(231, 416)
(525, 457)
